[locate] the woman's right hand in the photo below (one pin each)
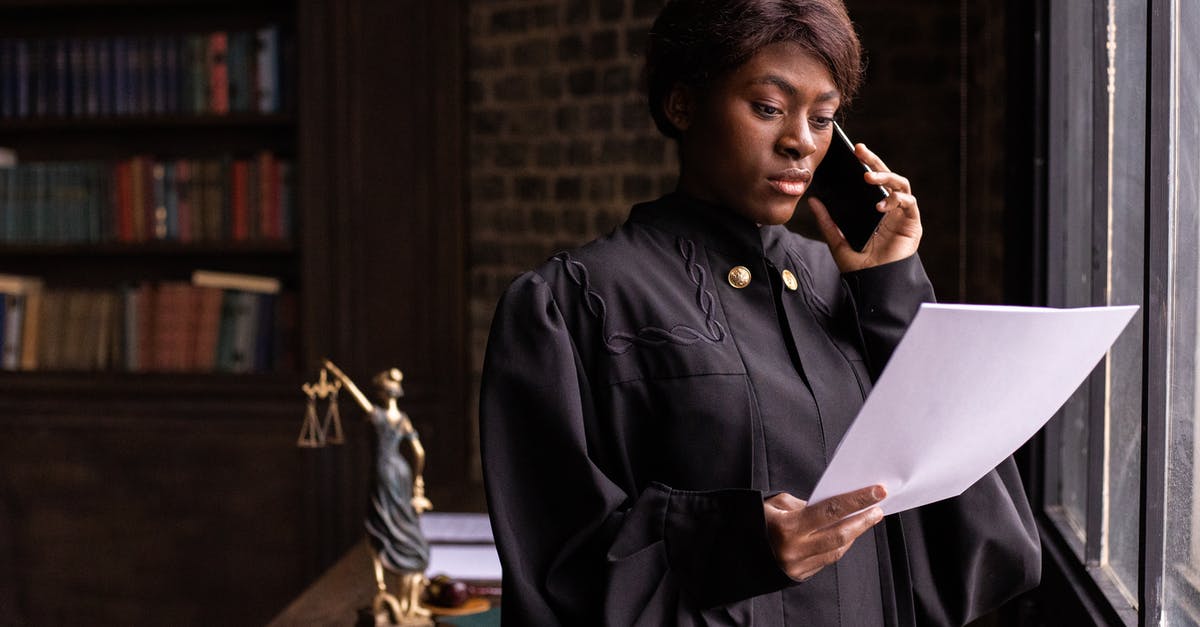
(806, 539)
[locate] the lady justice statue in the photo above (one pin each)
(397, 497)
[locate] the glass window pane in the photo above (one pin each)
(1125, 266)
(1070, 264)
(1182, 576)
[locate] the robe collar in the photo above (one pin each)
(714, 226)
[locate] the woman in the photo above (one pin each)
(657, 404)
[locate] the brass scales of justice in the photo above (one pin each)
(397, 487)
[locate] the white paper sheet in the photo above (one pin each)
(966, 387)
(472, 562)
(456, 527)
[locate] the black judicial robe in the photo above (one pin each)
(636, 409)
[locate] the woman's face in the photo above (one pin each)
(751, 140)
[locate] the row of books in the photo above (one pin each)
(216, 323)
(143, 199)
(191, 74)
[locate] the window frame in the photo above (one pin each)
(1078, 566)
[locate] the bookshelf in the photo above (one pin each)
(132, 496)
(112, 122)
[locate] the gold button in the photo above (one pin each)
(739, 277)
(789, 280)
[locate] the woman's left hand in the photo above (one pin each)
(898, 233)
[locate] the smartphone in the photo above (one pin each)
(851, 201)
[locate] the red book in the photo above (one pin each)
(239, 175)
(123, 190)
(218, 72)
(149, 209)
(208, 327)
(174, 320)
(268, 197)
(184, 200)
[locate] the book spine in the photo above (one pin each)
(159, 203)
(7, 302)
(245, 332)
(121, 96)
(174, 316)
(239, 204)
(254, 199)
(137, 186)
(78, 77)
(224, 178)
(171, 196)
(236, 64)
(213, 201)
(198, 70)
(173, 86)
(8, 76)
(268, 226)
(285, 203)
(158, 75)
(230, 304)
(104, 77)
(147, 296)
(23, 104)
(30, 334)
(218, 73)
(146, 75)
(208, 328)
(123, 198)
(91, 76)
(37, 78)
(97, 199)
(131, 297)
(268, 69)
(184, 200)
(60, 89)
(102, 357)
(264, 334)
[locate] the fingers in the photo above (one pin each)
(906, 203)
(807, 538)
(892, 181)
(834, 509)
(803, 560)
(881, 174)
(872, 160)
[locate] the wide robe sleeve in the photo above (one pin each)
(968, 555)
(577, 547)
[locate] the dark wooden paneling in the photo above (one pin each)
(150, 514)
(401, 230)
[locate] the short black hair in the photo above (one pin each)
(693, 42)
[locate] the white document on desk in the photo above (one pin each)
(966, 387)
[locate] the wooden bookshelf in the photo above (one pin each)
(140, 498)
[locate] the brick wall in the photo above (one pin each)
(560, 141)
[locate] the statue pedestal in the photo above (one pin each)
(338, 596)
(367, 618)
